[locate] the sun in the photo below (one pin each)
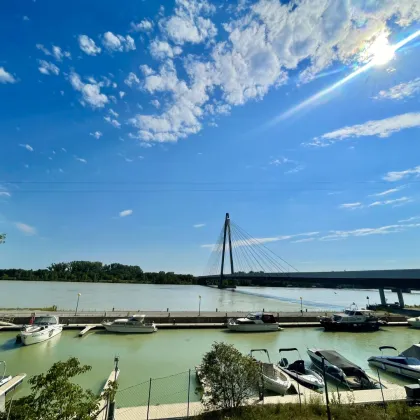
(379, 52)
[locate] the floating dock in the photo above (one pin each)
(87, 328)
(9, 387)
(113, 376)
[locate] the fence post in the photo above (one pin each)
(326, 389)
(382, 390)
(189, 385)
(148, 400)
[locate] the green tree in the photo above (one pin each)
(229, 377)
(54, 396)
(2, 238)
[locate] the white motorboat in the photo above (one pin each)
(340, 369)
(414, 322)
(405, 364)
(274, 378)
(300, 372)
(133, 325)
(254, 322)
(352, 319)
(41, 329)
(3, 377)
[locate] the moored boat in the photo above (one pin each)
(414, 322)
(300, 372)
(133, 325)
(405, 364)
(254, 322)
(342, 370)
(274, 378)
(42, 328)
(352, 319)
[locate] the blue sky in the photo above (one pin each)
(129, 129)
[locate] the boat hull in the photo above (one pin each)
(253, 327)
(414, 322)
(398, 370)
(144, 329)
(308, 380)
(349, 327)
(29, 338)
(275, 380)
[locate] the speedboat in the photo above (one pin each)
(352, 319)
(134, 325)
(405, 364)
(414, 322)
(300, 373)
(42, 328)
(254, 322)
(274, 378)
(340, 369)
(3, 377)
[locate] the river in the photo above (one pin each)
(151, 297)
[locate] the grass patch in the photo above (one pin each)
(317, 411)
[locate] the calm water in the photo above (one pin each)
(102, 296)
(171, 352)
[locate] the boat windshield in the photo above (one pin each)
(45, 320)
(412, 361)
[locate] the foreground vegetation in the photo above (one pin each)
(87, 271)
(316, 411)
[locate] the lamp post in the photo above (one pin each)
(367, 297)
(77, 305)
(301, 307)
(199, 305)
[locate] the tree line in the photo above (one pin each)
(88, 271)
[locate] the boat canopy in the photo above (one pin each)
(413, 351)
(46, 320)
(336, 359)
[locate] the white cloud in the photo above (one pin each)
(396, 201)
(304, 240)
(6, 77)
(199, 225)
(113, 122)
(297, 167)
(131, 80)
(155, 103)
(91, 93)
(351, 206)
(88, 46)
(145, 145)
(187, 25)
(96, 134)
(146, 70)
(161, 50)
(401, 91)
(380, 128)
(121, 94)
(48, 68)
(26, 229)
(387, 192)
(80, 159)
(126, 213)
(143, 26)
(117, 42)
(25, 18)
(113, 113)
(5, 194)
(56, 52)
(27, 147)
(398, 175)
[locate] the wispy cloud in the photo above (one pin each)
(258, 241)
(383, 230)
(296, 166)
(113, 122)
(96, 134)
(199, 225)
(5, 194)
(80, 159)
(396, 201)
(47, 68)
(91, 92)
(401, 91)
(27, 147)
(398, 175)
(26, 229)
(117, 42)
(88, 46)
(143, 26)
(304, 240)
(387, 192)
(126, 213)
(351, 206)
(379, 128)
(410, 219)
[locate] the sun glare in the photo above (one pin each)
(379, 52)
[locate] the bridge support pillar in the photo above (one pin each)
(382, 296)
(400, 297)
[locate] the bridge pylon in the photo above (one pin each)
(227, 234)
